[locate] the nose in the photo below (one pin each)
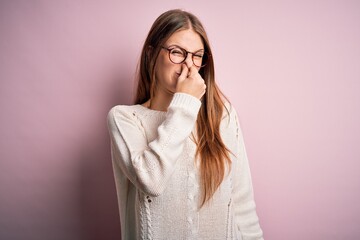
(188, 60)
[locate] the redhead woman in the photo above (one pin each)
(178, 154)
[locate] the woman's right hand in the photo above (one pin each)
(191, 82)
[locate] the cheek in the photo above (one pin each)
(169, 67)
(166, 71)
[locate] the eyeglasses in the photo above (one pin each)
(178, 55)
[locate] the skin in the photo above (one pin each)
(171, 77)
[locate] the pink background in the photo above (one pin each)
(292, 70)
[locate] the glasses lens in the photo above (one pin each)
(200, 59)
(177, 55)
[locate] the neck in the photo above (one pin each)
(161, 101)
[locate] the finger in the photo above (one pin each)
(184, 72)
(193, 70)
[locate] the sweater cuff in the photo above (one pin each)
(186, 101)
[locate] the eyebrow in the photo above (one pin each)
(175, 45)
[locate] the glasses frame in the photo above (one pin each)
(186, 55)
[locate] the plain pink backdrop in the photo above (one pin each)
(291, 68)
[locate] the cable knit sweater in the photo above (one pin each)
(158, 179)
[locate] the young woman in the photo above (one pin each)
(179, 159)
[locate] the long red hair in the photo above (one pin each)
(211, 150)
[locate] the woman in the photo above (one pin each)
(179, 159)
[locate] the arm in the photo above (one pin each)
(246, 218)
(149, 165)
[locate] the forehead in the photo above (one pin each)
(186, 38)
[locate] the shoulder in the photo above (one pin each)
(122, 110)
(123, 113)
(230, 119)
(229, 111)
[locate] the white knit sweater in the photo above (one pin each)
(157, 176)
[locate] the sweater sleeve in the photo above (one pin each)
(246, 218)
(149, 165)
